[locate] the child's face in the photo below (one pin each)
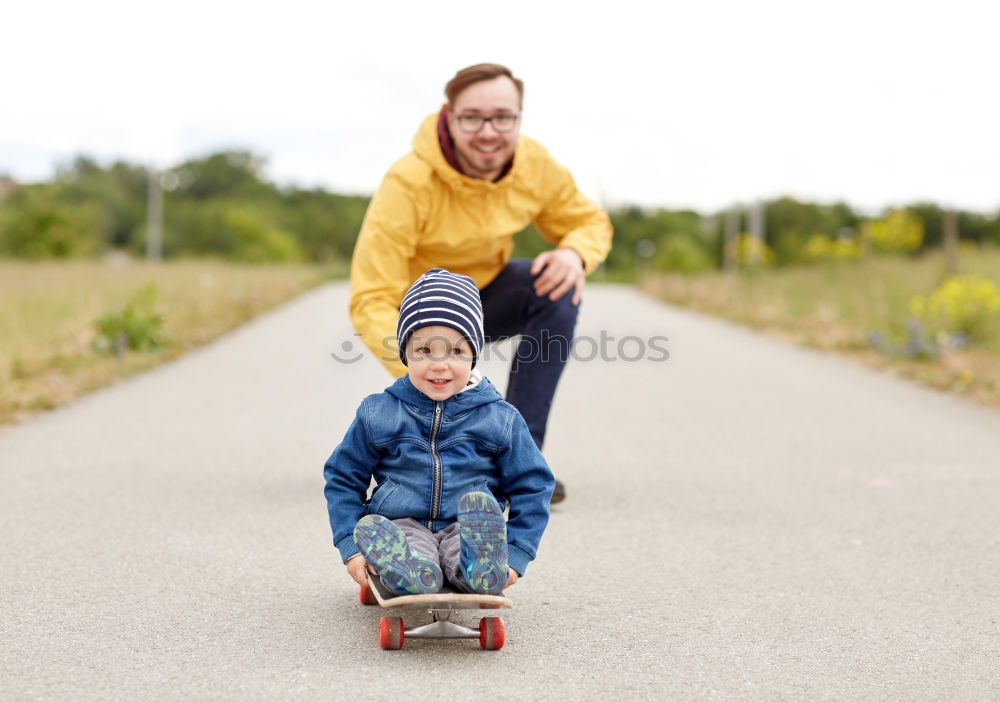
(439, 361)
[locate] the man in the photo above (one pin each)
(455, 202)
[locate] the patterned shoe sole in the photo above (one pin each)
(403, 570)
(483, 534)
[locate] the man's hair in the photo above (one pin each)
(475, 74)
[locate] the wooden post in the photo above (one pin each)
(757, 221)
(730, 256)
(950, 242)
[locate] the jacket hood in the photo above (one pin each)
(483, 394)
(427, 147)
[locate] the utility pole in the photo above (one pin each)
(154, 217)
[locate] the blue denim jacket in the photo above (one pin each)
(424, 455)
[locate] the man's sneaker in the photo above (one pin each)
(559, 494)
(483, 535)
(402, 569)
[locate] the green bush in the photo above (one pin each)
(791, 224)
(683, 254)
(663, 239)
(34, 224)
(237, 231)
(255, 240)
(137, 326)
(821, 248)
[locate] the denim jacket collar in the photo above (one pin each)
(483, 393)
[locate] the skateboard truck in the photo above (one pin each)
(441, 606)
(441, 628)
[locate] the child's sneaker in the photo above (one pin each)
(402, 569)
(483, 534)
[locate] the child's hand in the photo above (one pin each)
(357, 567)
(512, 578)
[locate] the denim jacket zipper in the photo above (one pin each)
(436, 494)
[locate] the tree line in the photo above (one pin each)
(222, 205)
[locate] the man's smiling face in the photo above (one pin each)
(485, 153)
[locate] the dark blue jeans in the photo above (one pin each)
(511, 307)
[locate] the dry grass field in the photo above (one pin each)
(48, 312)
(838, 306)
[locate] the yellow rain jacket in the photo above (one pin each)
(426, 215)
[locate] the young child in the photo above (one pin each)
(447, 454)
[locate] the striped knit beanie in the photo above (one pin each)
(440, 298)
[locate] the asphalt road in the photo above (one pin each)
(745, 520)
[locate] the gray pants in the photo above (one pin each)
(444, 547)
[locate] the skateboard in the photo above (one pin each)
(392, 632)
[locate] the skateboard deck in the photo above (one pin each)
(447, 598)
(393, 631)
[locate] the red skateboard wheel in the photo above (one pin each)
(492, 634)
(390, 633)
(366, 596)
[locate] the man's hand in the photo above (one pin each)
(356, 568)
(512, 578)
(563, 271)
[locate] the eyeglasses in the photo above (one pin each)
(470, 124)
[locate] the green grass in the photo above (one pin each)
(48, 312)
(835, 307)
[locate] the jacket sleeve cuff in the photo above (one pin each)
(347, 547)
(517, 559)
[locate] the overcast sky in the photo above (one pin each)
(692, 104)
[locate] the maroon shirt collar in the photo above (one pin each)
(448, 145)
